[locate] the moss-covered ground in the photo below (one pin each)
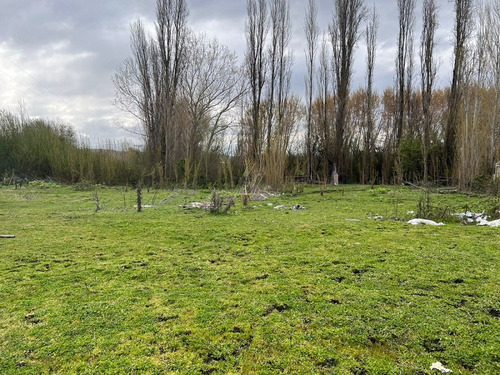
(326, 290)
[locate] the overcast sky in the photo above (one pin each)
(57, 57)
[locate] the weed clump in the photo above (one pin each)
(42, 184)
(428, 209)
(492, 208)
(219, 204)
(84, 185)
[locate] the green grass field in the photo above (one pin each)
(255, 291)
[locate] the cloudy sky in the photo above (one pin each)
(57, 57)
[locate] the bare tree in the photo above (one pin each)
(285, 59)
(279, 62)
(428, 71)
(148, 83)
(275, 15)
(324, 120)
(171, 34)
(462, 33)
(282, 141)
(135, 84)
(404, 64)
(211, 86)
(312, 31)
(256, 32)
(344, 32)
(278, 85)
(492, 21)
(369, 142)
(471, 149)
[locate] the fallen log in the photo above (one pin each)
(413, 186)
(7, 236)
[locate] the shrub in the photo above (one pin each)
(218, 203)
(39, 149)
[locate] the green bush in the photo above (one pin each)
(40, 150)
(411, 158)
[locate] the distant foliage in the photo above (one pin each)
(41, 150)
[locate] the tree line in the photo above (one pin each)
(209, 119)
(204, 114)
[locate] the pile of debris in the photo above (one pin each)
(470, 217)
(296, 207)
(217, 205)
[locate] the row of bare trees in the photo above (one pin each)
(207, 118)
(181, 87)
(270, 114)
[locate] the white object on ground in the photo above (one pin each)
(481, 219)
(439, 366)
(494, 223)
(472, 217)
(296, 207)
(196, 205)
(424, 222)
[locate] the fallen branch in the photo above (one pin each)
(7, 236)
(413, 186)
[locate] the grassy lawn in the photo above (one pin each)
(326, 290)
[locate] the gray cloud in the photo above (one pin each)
(58, 56)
